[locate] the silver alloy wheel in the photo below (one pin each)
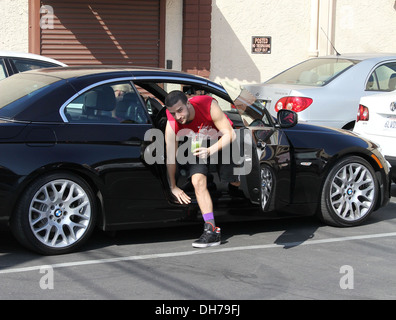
(266, 187)
(352, 192)
(60, 213)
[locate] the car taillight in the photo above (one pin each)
(296, 104)
(363, 113)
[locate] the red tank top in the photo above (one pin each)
(202, 118)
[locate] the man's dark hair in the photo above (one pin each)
(174, 97)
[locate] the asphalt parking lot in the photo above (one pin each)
(277, 259)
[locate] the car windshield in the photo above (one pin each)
(315, 72)
(17, 89)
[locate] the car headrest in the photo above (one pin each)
(90, 99)
(106, 100)
(392, 82)
(131, 98)
(308, 77)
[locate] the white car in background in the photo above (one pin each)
(15, 62)
(376, 121)
(326, 90)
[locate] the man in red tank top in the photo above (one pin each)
(191, 116)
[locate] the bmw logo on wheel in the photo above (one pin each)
(58, 213)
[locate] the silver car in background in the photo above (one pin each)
(15, 62)
(326, 90)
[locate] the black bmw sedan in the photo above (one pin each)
(82, 147)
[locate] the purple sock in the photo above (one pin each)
(209, 218)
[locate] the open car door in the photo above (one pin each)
(266, 152)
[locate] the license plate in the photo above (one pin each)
(390, 123)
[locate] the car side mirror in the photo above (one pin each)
(287, 118)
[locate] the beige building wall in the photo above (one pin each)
(365, 25)
(297, 29)
(234, 22)
(14, 25)
(174, 33)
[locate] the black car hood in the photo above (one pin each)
(303, 126)
(304, 135)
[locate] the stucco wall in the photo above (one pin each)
(353, 26)
(174, 33)
(366, 25)
(14, 25)
(235, 22)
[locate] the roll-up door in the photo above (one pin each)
(102, 32)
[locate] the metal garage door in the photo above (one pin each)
(103, 32)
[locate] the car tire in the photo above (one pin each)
(267, 184)
(350, 193)
(55, 215)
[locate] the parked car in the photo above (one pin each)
(376, 120)
(83, 147)
(15, 62)
(326, 90)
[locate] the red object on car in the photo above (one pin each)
(363, 113)
(296, 104)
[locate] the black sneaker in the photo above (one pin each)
(209, 237)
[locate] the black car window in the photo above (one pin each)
(108, 103)
(29, 64)
(383, 78)
(3, 72)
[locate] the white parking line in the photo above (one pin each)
(195, 252)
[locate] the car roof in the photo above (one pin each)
(71, 80)
(106, 71)
(24, 55)
(83, 76)
(363, 56)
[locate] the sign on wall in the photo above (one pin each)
(261, 44)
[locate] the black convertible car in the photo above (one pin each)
(81, 147)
